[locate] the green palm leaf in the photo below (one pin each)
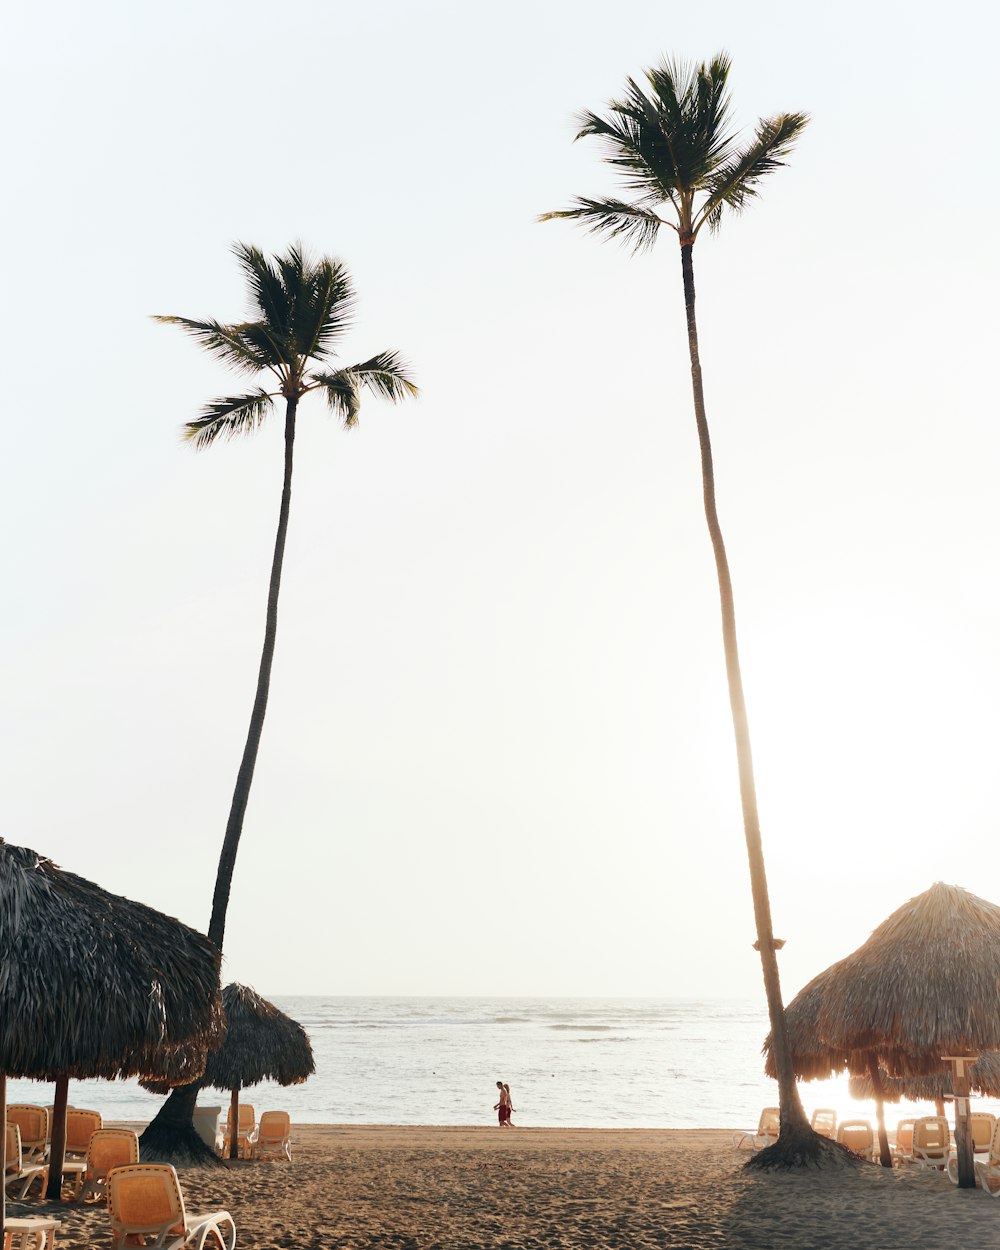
(230, 344)
(735, 183)
(385, 375)
(229, 417)
(632, 224)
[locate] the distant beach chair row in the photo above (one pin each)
(271, 1138)
(925, 1141)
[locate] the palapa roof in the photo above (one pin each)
(984, 1079)
(261, 1044)
(925, 984)
(812, 1059)
(96, 985)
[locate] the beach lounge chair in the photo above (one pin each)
(765, 1135)
(931, 1142)
(273, 1136)
(34, 1233)
(902, 1149)
(20, 1176)
(982, 1127)
(34, 1125)
(145, 1200)
(248, 1120)
(824, 1122)
(987, 1166)
(109, 1148)
(80, 1126)
(858, 1136)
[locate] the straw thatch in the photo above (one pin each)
(95, 985)
(984, 1079)
(925, 984)
(261, 1044)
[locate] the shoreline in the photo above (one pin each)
(486, 1188)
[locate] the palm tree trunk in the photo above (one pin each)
(244, 778)
(793, 1119)
(171, 1134)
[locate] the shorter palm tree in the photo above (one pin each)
(299, 311)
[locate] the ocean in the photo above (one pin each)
(584, 1062)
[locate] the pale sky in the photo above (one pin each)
(498, 756)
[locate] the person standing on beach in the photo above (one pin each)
(503, 1106)
(510, 1109)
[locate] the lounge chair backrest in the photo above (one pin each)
(904, 1137)
(824, 1122)
(111, 1148)
(982, 1124)
(248, 1117)
(80, 1127)
(33, 1122)
(274, 1126)
(13, 1146)
(144, 1198)
(856, 1135)
(931, 1137)
(769, 1124)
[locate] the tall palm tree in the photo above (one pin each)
(300, 310)
(673, 145)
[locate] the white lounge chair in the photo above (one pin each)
(858, 1136)
(931, 1142)
(20, 1176)
(768, 1127)
(145, 1200)
(273, 1136)
(109, 1148)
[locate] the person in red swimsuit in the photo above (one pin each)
(503, 1106)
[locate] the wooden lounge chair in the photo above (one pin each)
(824, 1122)
(982, 1126)
(766, 1133)
(987, 1166)
(931, 1142)
(20, 1176)
(902, 1149)
(858, 1136)
(145, 1200)
(80, 1126)
(34, 1233)
(33, 1122)
(109, 1148)
(273, 1136)
(248, 1121)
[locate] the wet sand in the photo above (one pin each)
(559, 1189)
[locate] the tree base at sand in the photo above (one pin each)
(171, 1136)
(802, 1148)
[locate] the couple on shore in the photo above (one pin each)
(503, 1106)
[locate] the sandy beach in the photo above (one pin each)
(472, 1188)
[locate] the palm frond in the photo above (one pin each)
(228, 417)
(324, 309)
(268, 292)
(343, 395)
(734, 184)
(230, 344)
(632, 224)
(385, 375)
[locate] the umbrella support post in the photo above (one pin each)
(963, 1137)
(885, 1154)
(234, 1125)
(3, 1155)
(57, 1150)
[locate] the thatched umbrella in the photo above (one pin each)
(95, 985)
(262, 1044)
(923, 989)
